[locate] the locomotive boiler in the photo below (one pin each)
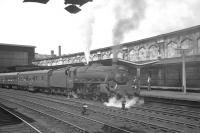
(99, 82)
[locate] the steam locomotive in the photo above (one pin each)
(95, 82)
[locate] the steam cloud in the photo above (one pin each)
(114, 102)
(128, 14)
(118, 21)
(88, 37)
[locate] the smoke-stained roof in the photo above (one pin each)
(16, 45)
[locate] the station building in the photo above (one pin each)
(12, 55)
(168, 48)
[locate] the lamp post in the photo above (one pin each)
(183, 52)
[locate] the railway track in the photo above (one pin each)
(172, 108)
(141, 121)
(61, 125)
(85, 124)
(24, 126)
(152, 113)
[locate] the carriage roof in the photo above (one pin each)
(36, 72)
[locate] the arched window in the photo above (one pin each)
(187, 44)
(60, 61)
(77, 59)
(133, 55)
(171, 50)
(104, 55)
(142, 54)
(83, 59)
(120, 55)
(65, 61)
(49, 63)
(95, 57)
(153, 52)
(111, 55)
(69, 60)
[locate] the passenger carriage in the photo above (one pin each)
(34, 80)
(9, 80)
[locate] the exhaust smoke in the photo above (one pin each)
(128, 14)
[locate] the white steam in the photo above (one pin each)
(114, 102)
(87, 34)
(119, 21)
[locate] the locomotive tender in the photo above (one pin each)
(95, 82)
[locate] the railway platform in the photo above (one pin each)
(188, 98)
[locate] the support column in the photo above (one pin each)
(138, 79)
(183, 73)
(183, 52)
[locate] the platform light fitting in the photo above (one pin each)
(72, 9)
(38, 1)
(71, 5)
(77, 2)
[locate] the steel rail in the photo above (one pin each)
(142, 122)
(157, 118)
(144, 115)
(173, 109)
(120, 129)
(27, 123)
(65, 122)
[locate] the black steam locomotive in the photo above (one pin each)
(95, 82)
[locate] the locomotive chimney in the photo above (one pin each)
(52, 53)
(59, 50)
(114, 59)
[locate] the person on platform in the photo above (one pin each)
(149, 82)
(134, 82)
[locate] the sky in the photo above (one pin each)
(101, 23)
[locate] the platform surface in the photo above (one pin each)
(171, 95)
